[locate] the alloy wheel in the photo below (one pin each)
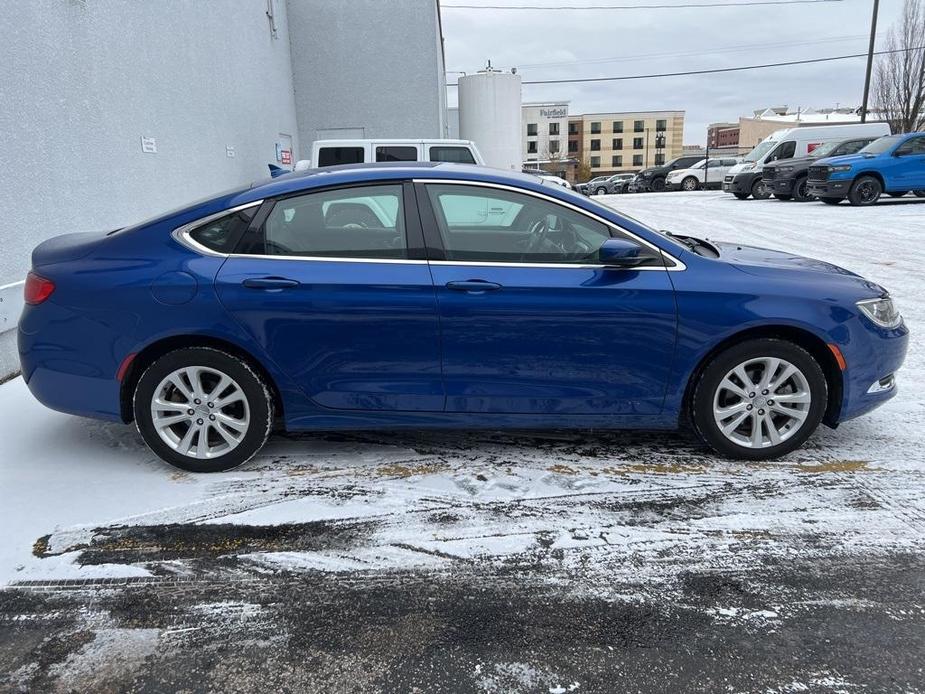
(762, 402)
(868, 192)
(200, 412)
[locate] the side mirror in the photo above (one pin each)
(619, 253)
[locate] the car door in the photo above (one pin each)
(907, 169)
(334, 286)
(530, 322)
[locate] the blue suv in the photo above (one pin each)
(894, 165)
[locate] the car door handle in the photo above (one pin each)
(269, 283)
(473, 286)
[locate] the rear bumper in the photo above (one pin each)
(828, 189)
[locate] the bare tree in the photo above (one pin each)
(900, 87)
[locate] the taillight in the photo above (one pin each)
(37, 288)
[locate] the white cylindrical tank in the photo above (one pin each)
(489, 115)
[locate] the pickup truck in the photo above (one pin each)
(786, 178)
(894, 164)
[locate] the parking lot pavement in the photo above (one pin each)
(484, 561)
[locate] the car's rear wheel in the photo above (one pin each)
(690, 183)
(741, 196)
(760, 190)
(759, 399)
(800, 190)
(783, 196)
(866, 190)
(203, 410)
(831, 201)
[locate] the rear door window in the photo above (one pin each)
(356, 222)
(396, 153)
(455, 155)
(332, 156)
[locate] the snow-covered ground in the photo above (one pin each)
(622, 517)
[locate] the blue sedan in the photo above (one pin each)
(416, 295)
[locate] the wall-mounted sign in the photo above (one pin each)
(285, 156)
(279, 152)
(148, 145)
(229, 150)
(553, 112)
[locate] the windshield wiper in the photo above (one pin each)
(686, 240)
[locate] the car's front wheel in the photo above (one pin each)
(759, 399)
(760, 191)
(202, 409)
(600, 191)
(690, 183)
(866, 190)
(657, 185)
(801, 190)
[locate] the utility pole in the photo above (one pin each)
(870, 58)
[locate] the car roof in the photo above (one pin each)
(346, 174)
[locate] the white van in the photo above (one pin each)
(744, 180)
(334, 152)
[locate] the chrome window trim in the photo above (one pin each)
(182, 234)
(677, 266)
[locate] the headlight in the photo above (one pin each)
(748, 166)
(843, 167)
(881, 311)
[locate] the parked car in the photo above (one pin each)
(336, 152)
(616, 184)
(744, 180)
(704, 174)
(653, 178)
(893, 165)
(786, 179)
(586, 187)
(549, 178)
(423, 295)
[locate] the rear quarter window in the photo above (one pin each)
(222, 234)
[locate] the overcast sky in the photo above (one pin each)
(550, 44)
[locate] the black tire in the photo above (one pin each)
(657, 185)
(831, 201)
(760, 191)
(783, 196)
(865, 191)
(256, 399)
(919, 193)
(897, 193)
(720, 365)
(800, 193)
(600, 191)
(690, 183)
(741, 196)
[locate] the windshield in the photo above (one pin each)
(882, 145)
(759, 151)
(824, 150)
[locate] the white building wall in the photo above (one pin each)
(541, 115)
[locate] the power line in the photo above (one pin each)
(636, 7)
(661, 54)
(714, 70)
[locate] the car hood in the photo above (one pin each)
(796, 161)
(651, 170)
(755, 260)
(844, 159)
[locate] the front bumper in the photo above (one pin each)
(741, 183)
(872, 355)
(828, 189)
(783, 186)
